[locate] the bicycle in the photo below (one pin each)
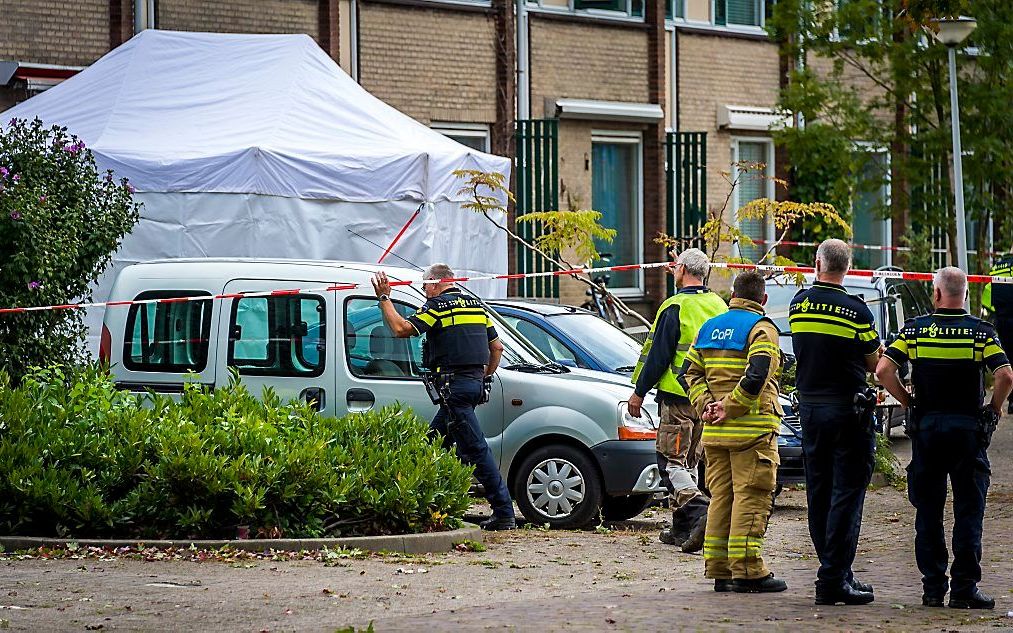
(599, 301)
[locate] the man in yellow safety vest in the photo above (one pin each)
(678, 445)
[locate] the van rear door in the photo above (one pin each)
(281, 341)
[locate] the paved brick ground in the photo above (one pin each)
(621, 580)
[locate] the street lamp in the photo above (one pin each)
(951, 32)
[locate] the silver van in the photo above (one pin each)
(564, 440)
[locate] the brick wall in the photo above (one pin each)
(53, 32)
(717, 70)
(432, 64)
(240, 16)
(586, 61)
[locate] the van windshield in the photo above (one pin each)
(779, 298)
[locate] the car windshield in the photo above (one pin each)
(516, 350)
(608, 344)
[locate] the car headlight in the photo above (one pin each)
(631, 428)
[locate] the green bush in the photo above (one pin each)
(78, 458)
(60, 221)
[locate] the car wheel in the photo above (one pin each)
(558, 485)
(623, 508)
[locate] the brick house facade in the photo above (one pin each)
(616, 74)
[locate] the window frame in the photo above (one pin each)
(348, 348)
(770, 188)
(630, 138)
(712, 24)
(886, 223)
(266, 367)
(128, 332)
(539, 6)
(467, 130)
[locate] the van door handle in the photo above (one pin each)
(360, 400)
(314, 396)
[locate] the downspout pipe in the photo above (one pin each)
(144, 15)
(523, 81)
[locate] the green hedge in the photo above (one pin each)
(78, 458)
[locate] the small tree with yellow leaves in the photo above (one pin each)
(717, 233)
(562, 231)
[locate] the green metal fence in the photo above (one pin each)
(537, 173)
(686, 177)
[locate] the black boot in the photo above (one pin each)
(858, 585)
(723, 585)
(974, 600)
(696, 509)
(931, 601)
(679, 531)
(495, 523)
(842, 593)
(767, 584)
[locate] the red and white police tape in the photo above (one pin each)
(888, 274)
(855, 246)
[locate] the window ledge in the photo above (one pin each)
(476, 6)
(585, 17)
(755, 33)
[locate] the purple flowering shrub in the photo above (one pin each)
(60, 222)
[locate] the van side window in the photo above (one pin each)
(371, 348)
(168, 337)
(278, 336)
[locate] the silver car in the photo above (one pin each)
(564, 440)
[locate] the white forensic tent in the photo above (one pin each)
(261, 146)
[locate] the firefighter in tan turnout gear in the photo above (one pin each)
(731, 376)
(678, 445)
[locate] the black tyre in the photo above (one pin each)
(560, 486)
(623, 508)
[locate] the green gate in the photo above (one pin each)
(686, 177)
(537, 173)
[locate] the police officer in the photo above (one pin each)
(948, 351)
(836, 345)
(731, 375)
(462, 351)
(997, 299)
(678, 444)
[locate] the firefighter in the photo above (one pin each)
(950, 431)
(835, 343)
(678, 443)
(731, 375)
(462, 351)
(997, 300)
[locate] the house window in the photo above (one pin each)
(754, 182)
(278, 336)
(725, 13)
(858, 21)
(870, 210)
(617, 192)
(473, 135)
(168, 337)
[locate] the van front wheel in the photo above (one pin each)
(558, 485)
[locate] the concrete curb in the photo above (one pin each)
(400, 543)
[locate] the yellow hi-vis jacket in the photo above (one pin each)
(692, 307)
(736, 360)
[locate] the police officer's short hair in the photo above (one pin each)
(834, 256)
(696, 262)
(749, 285)
(438, 271)
(951, 281)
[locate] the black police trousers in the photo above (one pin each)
(457, 423)
(839, 449)
(948, 445)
